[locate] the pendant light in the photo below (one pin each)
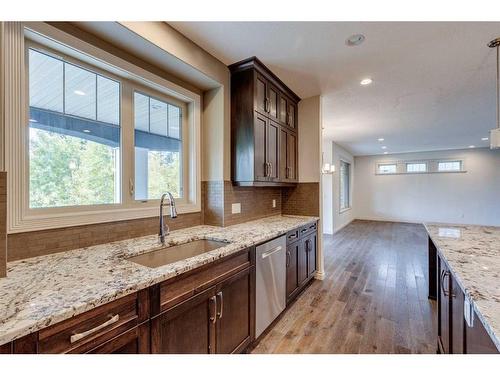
(495, 133)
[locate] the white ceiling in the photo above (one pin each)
(433, 83)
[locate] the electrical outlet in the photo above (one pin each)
(236, 208)
(274, 203)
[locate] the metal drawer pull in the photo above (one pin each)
(288, 259)
(213, 316)
(271, 252)
(292, 235)
(221, 306)
(78, 336)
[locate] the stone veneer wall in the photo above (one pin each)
(3, 224)
(301, 200)
(31, 244)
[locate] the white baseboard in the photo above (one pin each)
(319, 275)
(343, 226)
(389, 220)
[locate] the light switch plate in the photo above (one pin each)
(236, 208)
(274, 203)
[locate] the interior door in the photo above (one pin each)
(260, 95)
(291, 159)
(187, 328)
(292, 268)
(273, 134)
(260, 138)
(234, 329)
(444, 308)
(273, 99)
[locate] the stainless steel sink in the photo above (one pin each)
(175, 253)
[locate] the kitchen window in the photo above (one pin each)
(345, 185)
(96, 138)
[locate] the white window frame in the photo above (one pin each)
(20, 217)
(431, 166)
(349, 177)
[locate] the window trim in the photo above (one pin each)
(349, 176)
(431, 166)
(23, 219)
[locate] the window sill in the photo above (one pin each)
(42, 221)
(344, 210)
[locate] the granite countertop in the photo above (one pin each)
(473, 255)
(41, 291)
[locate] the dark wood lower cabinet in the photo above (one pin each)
(134, 341)
(235, 300)
(455, 335)
(292, 280)
(187, 328)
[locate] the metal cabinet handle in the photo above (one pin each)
(288, 258)
(266, 105)
(213, 316)
(271, 168)
(444, 274)
(271, 252)
(221, 305)
(294, 235)
(78, 336)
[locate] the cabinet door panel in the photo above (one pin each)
(134, 341)
(187, 328)
(302, 262)
(234, 313)
(292, 268)
(291, 159)
(260, 104)
(273, 133)
(283, 108)
(283, 155)
(478, 341)
(457, 317)
(444, 307)
(311, 254)
(260, 139)
(273, 98)
(292, 115)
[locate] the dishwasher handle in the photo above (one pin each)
(271, 252)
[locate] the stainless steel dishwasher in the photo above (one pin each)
(270, 282)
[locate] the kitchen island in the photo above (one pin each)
(464, 277)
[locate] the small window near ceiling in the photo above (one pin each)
(450, 166)
(158, 147)
(345, 182)
(416, 167)
(386, 168)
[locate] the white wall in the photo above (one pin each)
(327, 189)
(309, 139)
(472, 197)
(341, 219)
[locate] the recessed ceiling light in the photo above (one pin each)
(472, 146)
(86, 130)
(384, 147)
(355, 40)
(79, 92)
(484, 139)
(366, 81)
(381, 139)
(385, 152)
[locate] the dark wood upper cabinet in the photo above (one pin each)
(261, 108)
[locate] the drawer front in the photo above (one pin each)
(308, 229)
(175, 291)
(292, 236)
(86, 331)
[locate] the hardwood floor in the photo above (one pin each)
(373, 299)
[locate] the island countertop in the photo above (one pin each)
(473, 255)
(41, 291)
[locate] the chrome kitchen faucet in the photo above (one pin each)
(164, 229)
